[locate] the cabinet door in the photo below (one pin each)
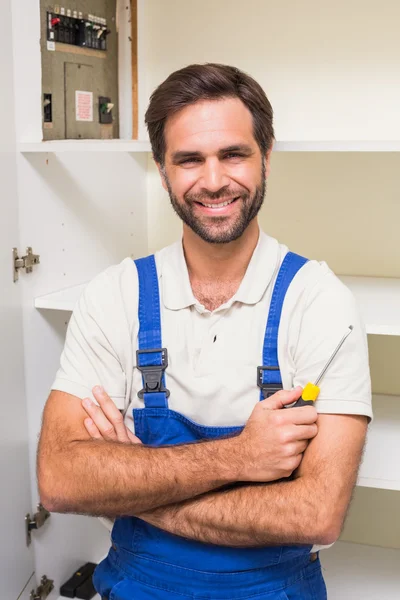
(16, 564)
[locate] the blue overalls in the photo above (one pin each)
(146, 562)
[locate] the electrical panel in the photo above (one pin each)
(79, 44)
(76, 29)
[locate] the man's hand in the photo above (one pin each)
(105, 422)
(272, 443)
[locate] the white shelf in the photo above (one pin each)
(61, 300)
(381, 463)
(379, 301)
(355, 571)
(144, 146)
(337, 146)
(381, 484)
(57, 146)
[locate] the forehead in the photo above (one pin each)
(209, 124)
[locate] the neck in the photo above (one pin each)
(222, 262)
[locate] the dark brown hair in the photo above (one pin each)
(207, 82)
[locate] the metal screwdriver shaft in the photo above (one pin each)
(334, 354)
(311, 391)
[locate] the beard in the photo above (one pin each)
(224, 229)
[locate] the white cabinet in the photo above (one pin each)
(87, 204)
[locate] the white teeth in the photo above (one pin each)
(218, 205)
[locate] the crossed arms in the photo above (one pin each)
(182, 489)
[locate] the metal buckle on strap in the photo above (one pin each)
(268, 389)
(152, 374)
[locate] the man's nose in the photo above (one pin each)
(214, 177)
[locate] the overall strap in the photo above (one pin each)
(151, 357)
(268, 375)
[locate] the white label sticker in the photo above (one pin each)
(52, 35)
(80, 15)
(62, 11)
(51, 46)
(84, 106)
(75, 14)
(68, 12)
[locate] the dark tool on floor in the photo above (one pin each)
(80, 583)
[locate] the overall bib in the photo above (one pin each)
(145, 562)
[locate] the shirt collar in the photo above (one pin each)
(175, 283)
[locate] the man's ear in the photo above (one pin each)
(268, 161)
(161, 170)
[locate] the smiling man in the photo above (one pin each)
(219, 487)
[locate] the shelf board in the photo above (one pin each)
(57, 146)
(144, 146)
(379, 302)
(380, 467)
(62, 300)
(360, 571)
(378, 298)
(381, 484)
(337, 146)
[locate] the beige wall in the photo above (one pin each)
(329, 68)
(324, 83)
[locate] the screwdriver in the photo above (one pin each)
(311, 391)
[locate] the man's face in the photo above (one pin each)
(214, 171)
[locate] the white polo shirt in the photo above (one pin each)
(213, 356)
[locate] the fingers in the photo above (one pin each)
(306, 432)
(301, 446)
(111, 413)
(92, 429)
(106, 417)
(304, 415)
(281, 398)
(98, 417)
(133, 438)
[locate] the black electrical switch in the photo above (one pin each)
(105, 108)
(84, 573)
(47, 108)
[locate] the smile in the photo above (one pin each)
(220, 205)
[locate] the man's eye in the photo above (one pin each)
(233, 155)
(189, 160)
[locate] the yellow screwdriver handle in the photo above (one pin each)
(310, 392)
(309, 395)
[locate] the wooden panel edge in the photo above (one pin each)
(134, 68)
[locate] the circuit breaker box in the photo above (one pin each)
(79, 46)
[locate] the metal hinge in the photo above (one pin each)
(37, 521)
(45, 588)
(26, 262)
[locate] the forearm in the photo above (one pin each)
(113, 479)
(309, 509)
(286, 512)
